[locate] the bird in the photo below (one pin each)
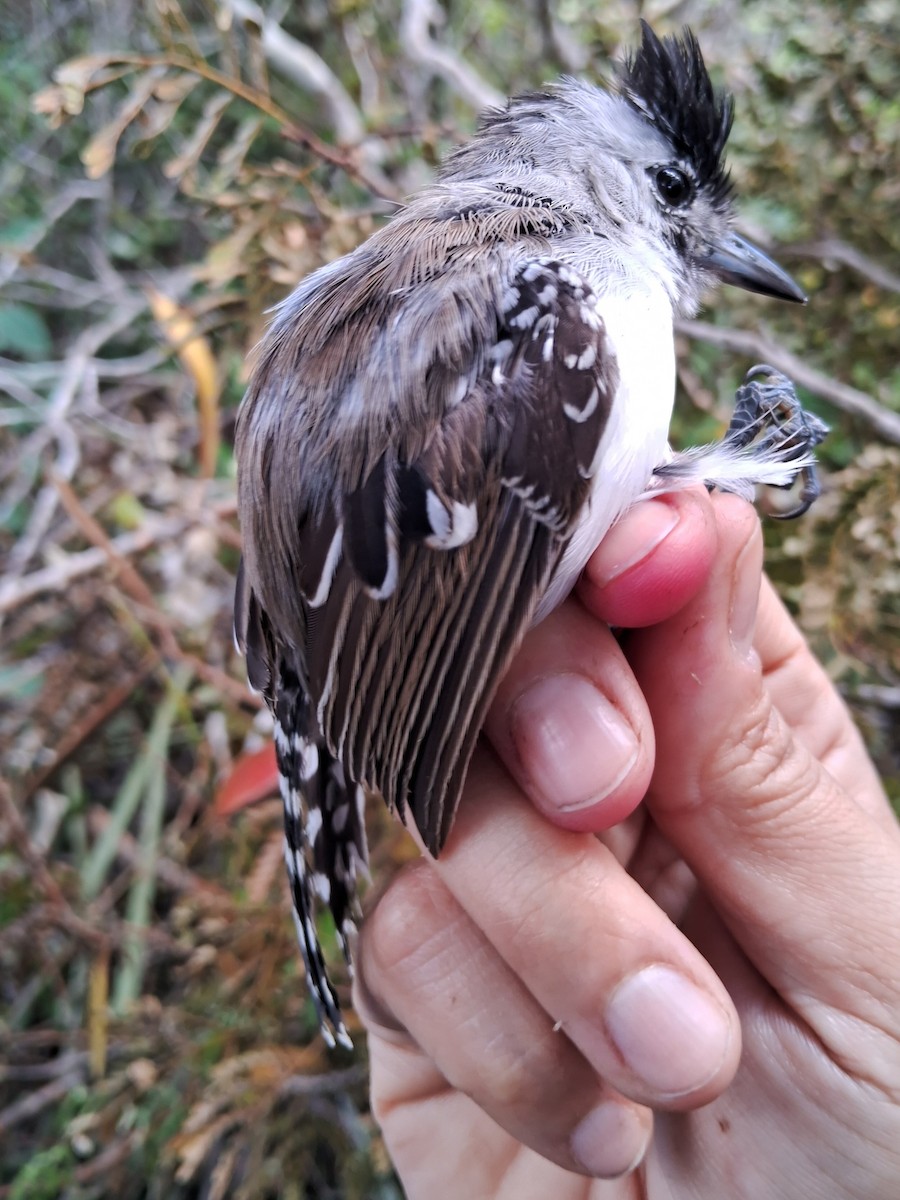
(442, 424)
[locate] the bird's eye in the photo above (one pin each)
(674, 186)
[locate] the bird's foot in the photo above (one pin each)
(767, 453)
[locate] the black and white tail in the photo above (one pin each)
(324, 840)
(324, 819)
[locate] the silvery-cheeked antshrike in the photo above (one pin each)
(443, 424)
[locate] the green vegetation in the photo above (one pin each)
(165, 177)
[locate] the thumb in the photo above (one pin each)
(786, 854)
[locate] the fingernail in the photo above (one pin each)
(610, 1141)
(629, 542)
(670, 1034)
(745, 596)
(574, 746)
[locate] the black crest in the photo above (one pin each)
(667, 82)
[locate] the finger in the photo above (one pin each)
(425, 966)
(806, 698)
(652, 561)
(790, 859)
(594, 951)
(570, 723)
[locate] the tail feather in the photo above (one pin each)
(324, 842)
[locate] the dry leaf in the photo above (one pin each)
(100, 152)
(97, 1013)
(196, 357)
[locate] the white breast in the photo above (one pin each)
(639, 326)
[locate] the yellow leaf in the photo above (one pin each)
(97, 1013)
(195, 355)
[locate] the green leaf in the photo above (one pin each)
(24, 333)
(21, 231)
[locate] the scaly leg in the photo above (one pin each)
(767, 453)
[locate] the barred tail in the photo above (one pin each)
(324, 842)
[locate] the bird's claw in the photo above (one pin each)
(770, 420)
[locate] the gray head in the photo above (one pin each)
(642, 159)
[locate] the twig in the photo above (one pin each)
(134, 585)
(172, 874)
(875, 693)
(35, 1102)
(75, 372)
(841, 395)
(60, 575)
(58, 907)
(130, 579)
(37, 1072)
(422, 50)
(835, 250)
(109, 703)
(81, 189)
(303, 66)
(114, 1154)
(316, 1085)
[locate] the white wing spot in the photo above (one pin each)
(526, 317)
(438, 518)
(533, 271)
(460, 391)
(328, 570)
(465, 524)
(579, 415)
(393, 570)
(451, 529)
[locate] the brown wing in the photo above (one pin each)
(416, 586)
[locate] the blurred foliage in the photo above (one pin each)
(168, 173)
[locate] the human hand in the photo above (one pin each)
(540, 1002)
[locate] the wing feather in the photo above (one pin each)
(416, 579)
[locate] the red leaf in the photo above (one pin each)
(253, 777)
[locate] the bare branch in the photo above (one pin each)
(77, 374)
(81, 189)
(58, 576)
(421, 49)
(29, 1106)
(303, 66)
(756, 345)
(834, 250)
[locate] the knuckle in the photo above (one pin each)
(409, 915)
(762, 761)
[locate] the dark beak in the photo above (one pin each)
(738, 261)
